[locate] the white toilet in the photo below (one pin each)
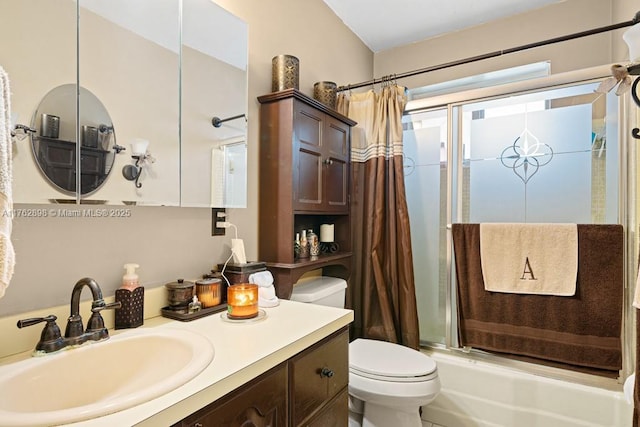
(388, 383)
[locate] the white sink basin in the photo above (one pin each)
(100, 378)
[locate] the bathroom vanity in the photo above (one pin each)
(308, 389)
(291, 366)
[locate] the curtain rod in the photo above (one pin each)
(635, 20)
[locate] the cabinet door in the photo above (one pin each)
(317, 375)
(260, 403)
(335, 153)
(333, 415)
(307, 161)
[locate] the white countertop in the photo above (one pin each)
(242, 352)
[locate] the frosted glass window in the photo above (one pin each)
(540, 157)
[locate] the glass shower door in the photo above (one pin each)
(425, 163)
(550, 155)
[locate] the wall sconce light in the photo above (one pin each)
(140, 155)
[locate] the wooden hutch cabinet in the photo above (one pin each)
(304, 182)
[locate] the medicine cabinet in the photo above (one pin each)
(158, 78)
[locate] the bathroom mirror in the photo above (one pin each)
(39, 54)
(128, 54)
(214, 84)
(55, 143)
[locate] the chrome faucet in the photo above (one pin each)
(51, 339)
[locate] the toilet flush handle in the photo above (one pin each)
(326, 372)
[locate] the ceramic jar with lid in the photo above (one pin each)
(180, 293)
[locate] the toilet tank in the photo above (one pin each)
(322, 290)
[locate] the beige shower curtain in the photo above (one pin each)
(382, 288)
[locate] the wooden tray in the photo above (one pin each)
(183, 316)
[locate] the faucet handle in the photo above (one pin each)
(35, 320)
(97, 308)
(50, 338)
(95, 325)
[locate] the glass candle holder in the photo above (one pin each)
(242, 301)
(208, 292)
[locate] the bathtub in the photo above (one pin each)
(480, 394)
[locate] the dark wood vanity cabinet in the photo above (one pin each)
(304, 182)
(310, 389)
(259, 403)
(317, 377)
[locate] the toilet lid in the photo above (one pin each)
(384, 360)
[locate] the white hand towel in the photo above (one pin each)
(266, 291)
(262, 278)
(7, 255)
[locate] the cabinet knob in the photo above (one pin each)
(328, 161)
(326, 373)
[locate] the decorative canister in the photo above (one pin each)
(325, 92)
(90, 136)
(50, 126)
(285, 72)
(314, 243)
(180, 293)
(304, 246)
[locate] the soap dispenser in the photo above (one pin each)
(131, 297)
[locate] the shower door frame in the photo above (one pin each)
(628, 117)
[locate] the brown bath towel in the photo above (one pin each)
(582, 330)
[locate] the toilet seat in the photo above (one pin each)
(384, 361)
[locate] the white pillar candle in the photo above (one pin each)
(326, 233)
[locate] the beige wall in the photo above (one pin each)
(622, 10)
(168, 243)
(570, 16)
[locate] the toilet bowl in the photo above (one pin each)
(388, 383)
(393, 382)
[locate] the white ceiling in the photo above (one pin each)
(385, 24)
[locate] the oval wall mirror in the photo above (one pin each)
(59, 133)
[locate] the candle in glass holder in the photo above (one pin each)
(242, 301)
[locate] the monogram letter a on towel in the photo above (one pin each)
(529, 258)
